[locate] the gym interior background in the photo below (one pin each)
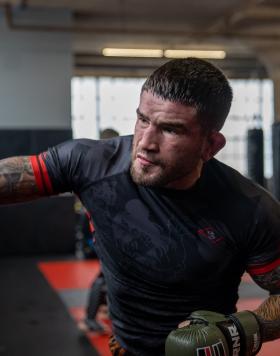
(58, 81)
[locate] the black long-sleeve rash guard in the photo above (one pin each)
(164, 252)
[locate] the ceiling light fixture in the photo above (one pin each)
(180, 53)
(132, 52)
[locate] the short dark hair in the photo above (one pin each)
(197, 83)
(108, 133)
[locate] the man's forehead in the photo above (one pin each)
(152, 104)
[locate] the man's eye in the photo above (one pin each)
(142, 120)
(170, 130)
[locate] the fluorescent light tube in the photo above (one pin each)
(180, 53)
(132, 52)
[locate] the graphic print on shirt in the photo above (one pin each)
(159, 248)
(143, 238)
(212, 243)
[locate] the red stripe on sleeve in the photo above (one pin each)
(37, 174)
(91, 226)
(264, 269)
(46, 176)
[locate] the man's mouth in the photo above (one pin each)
(144, 161)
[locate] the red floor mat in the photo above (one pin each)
(71, 275)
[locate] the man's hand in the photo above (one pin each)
(209, 333)
(269, 311)
(17, 181)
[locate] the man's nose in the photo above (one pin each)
(150, 139)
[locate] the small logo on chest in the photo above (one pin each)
(210, 235)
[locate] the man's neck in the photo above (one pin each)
(187, 181)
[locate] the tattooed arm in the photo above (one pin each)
(269, 311)
(17, 181)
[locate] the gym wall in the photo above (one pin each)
(35, 113)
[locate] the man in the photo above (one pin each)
(175, 228)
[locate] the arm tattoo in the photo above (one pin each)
(269, 316)
(269, 281)
(269, 311)
(17, 181)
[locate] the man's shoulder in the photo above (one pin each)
(85, 144)
(230, 182)
(229, 178)
(240, 201)
(83, 161)
(84, 149)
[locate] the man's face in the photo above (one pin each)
(168, 144)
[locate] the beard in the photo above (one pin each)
(161, 172)
(146, 178)
(149, 176)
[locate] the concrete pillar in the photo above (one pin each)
(276, 84)
(271, 59)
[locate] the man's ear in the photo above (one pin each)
(215, 142)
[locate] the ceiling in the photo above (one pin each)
(245, 29)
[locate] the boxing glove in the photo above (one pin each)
(214, 334)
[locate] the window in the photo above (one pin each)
(99, 103)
